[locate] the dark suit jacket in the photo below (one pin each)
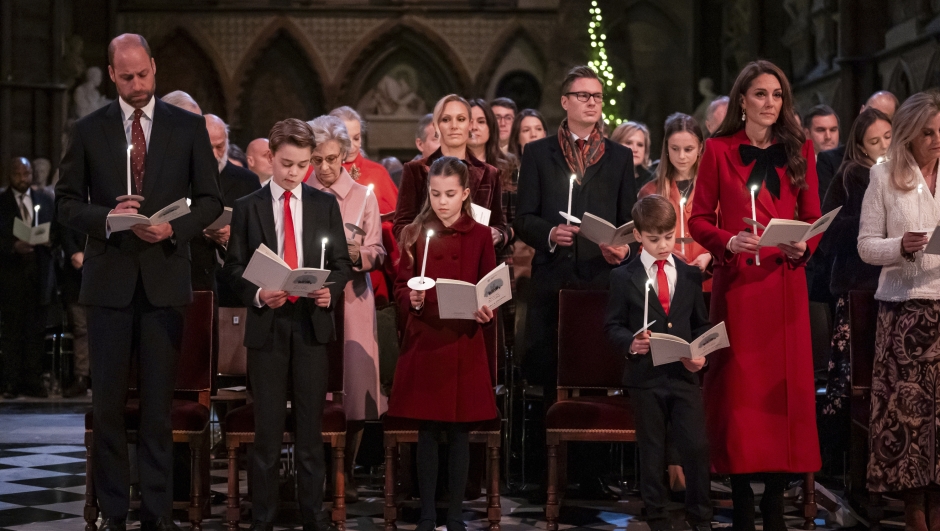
(607, 190)
(687, 319)
(234, 183)
(179, 164)
(827, 163)
(70, 279)
(21, 275)
(253, 225)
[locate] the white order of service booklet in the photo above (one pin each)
(599, 231)
(480, 214)
(37, 235)
(667, 348)
(176, 209)
(786, 231)
(223, 220)
(457, 299)
(268, 271)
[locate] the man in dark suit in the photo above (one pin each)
(286, 336)
(72, 243)
(27, 285)
(665, 398)
(135, 284)
(563, 258)
(234, 183)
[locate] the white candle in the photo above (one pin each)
(570, 189)
(362, 209)
(323, 254)
(129, 148)
(682, 223)
(427, 247)
(646, 304)
(920, 213)
(36, 216)
(754, 217)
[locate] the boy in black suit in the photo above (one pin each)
(667, 395)
(287, 336)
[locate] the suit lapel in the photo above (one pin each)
(160, 132)
(265, 212)
(113, 132)
(559, 159)
(593, 170)
(311, 244)
(639, 279)
(682, 286)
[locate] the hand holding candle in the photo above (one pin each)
(754, 217)
(323, 254)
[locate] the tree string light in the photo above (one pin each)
(613, 111)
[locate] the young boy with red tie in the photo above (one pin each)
(665, 395)
(286, 336)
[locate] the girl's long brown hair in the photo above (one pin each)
(666, 172)
(786, 130)
(495, 157)
(446, 167)
(855, 147)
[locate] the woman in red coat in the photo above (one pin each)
(759, 396)
(443, 377)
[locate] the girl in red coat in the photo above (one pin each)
(443, 377)
(759, 398)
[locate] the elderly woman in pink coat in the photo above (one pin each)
(362, 399)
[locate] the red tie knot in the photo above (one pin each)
(661, 264)
(138, 113)
(286, 195)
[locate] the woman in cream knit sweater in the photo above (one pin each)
(899, 213)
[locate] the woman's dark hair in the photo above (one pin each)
(494, 156)
(855, 147)
(666, 172)
(447, 167)
(514, 146)
(786, 130)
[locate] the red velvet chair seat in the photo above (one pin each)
(185, 415)
(608, 413)
(242, 419)
(401, 424)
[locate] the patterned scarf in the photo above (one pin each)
(580, 160)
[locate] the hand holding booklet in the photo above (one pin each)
(788, 231)
(268, 271)
(119, 222)
(37, 235)
(457, 299)
(223, 220)
(667, 348)
(600, 231)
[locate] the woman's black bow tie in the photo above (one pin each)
(775, 156)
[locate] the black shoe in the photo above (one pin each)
(426, 525)
(113, 524)
(322, 523)
(161, 524)
(456, 525)
(78, 388)
(261, 526)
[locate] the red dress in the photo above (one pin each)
(442, 372)
(760, 411)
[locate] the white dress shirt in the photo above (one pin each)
(146, 121)
(297, 216)
(649, 265)
(27, 201)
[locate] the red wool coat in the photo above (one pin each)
(442, 372)
(760, 411)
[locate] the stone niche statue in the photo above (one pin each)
(706, 87)
(394, 95)
(41, 169)
(87, 98)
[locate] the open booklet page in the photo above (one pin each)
(600, 231)
(223, 220)
(480, 214)
(458, 300)
(667, 348)
(790, 230)
(933, 244)
(37, 235)
(119, 222)
(268, 271)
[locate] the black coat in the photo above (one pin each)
(29, 275)
(253, 225)
(70, 279)
(179, 164)
(607, 190)
(687, 319)
(827, 163)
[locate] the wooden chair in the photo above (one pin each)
(240, 430)
(189, 415)
(586, 361)
(398, 431)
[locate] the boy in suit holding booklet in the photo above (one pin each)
(665, 396)
(286, 336)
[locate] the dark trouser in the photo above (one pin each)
(291, 355)
(79, 325)
(115, 335)
(771, 503)
(22, 332)
(458, 464)
(675, 408)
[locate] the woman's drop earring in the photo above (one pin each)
(743, 116)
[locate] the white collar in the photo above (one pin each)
(277, 191)
(128, 111)
(649, 261)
